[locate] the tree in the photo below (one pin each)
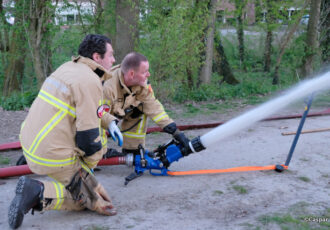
(270, 20)
(14, 49)
(325, 32)
(221, 64)
(207, 68)
(286, 39)
(239, 13)
(37, 22)
(311, 38)
(127, 18)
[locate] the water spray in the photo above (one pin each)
(231, 127)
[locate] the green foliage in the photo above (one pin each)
(252, 85)
(18, 101)
(171, 35)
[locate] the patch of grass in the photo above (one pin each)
(130, 226)
(4, 160)
(294, 220)
(304, 159)
(278, 219)
(94, 227)
(217, 192)
(191, 110)
(325, 175)
(240, 189)
(305, 179)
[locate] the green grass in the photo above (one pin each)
(240, 189)
(4, 160)
(217, 192)
(297, 217)
(94, 227)
(305, 179)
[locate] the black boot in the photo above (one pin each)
(21, 161)
(134, 151)
(29, 194)
(113, 153)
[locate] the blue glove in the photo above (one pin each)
(115, 133)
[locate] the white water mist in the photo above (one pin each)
(247, 119)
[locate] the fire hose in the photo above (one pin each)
(158, 161)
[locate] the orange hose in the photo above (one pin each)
(237, 169)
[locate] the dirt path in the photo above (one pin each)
(245, 200)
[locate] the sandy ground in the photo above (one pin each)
(218, 201)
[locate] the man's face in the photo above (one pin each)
(141, 75)
(108, 58)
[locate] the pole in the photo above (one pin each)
(301, 124)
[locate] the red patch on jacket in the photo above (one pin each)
(150, 89)
(101, 110)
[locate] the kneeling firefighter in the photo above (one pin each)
(61, 137)
(131, 99)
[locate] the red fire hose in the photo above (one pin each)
(24, 169)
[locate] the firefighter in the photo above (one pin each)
(131, 99)
(61, 137)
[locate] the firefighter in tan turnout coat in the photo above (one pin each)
(131, 98)
(61, 137)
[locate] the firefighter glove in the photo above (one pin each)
(183, 141)
(115, 133)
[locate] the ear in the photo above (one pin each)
(96, 57)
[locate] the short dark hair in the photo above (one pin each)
(132, 61)
(93, 43)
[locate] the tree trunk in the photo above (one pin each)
(285, 41)
(240, 37)
(270, 18)
(98, 25)
(221, 62)
(207, 68)
(268, 51)
(39, 16)
(14, 67)
(312, 38)
(325, 32)
(240, 5)
(127, 16)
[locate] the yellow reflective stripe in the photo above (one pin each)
(46, 129)
(85, 167)
(160, 117)
(134, 135)
(142, 124)
(104, 137)
(48, 162)
(59, 195)
(57, 103)
(22, 125)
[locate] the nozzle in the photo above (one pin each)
(196, 145)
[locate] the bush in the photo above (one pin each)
(18, 101)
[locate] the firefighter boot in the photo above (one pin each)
(29, 194)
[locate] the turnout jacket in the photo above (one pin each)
(63, 123)
(130, 102)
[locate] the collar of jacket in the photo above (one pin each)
(98, 69)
